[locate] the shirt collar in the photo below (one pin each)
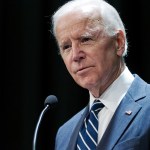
(113, 95)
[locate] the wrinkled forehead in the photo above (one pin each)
(86, 18)
(84, 10)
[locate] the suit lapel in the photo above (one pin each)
(72, 142)
(124, 115)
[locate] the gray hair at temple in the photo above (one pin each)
(110, 18)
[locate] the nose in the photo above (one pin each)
(77, 53)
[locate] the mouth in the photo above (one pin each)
(84, 70)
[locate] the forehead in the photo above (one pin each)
(76, 22)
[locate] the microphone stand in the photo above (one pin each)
(38, 125)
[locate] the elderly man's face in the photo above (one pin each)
(88, 53)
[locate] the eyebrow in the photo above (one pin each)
(86, 34)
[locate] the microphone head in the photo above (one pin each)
(51, 99)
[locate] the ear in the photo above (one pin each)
(120, 43)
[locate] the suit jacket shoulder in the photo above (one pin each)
(130, 126)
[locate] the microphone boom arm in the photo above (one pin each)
(49, 101)
(38, 125)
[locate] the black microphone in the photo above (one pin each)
(48, 101)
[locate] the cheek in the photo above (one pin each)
(105, 61)
(67, 64)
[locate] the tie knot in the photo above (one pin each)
(97, 106)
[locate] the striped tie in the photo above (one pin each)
(87, 138)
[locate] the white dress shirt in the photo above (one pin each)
(111, 98)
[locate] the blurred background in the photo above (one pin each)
(31, 68)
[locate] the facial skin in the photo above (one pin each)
(92, 58)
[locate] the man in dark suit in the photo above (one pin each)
(92, 42)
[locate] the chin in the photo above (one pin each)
(87, 85)
(87, 82)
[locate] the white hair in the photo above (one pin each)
(109, 15)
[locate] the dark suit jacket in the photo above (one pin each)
(125, 131)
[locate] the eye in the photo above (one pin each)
(86, 39)
(65, 48)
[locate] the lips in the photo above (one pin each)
(84, 69)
